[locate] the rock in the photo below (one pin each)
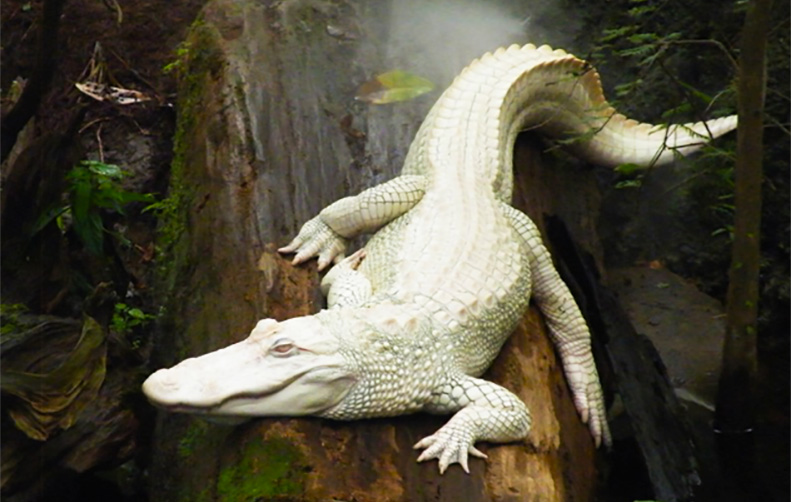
(686, 326)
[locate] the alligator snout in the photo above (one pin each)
(159, 383)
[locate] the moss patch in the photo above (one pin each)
(199, 67)
(194, 433)
(269, 469)
(200, 71)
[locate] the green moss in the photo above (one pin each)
(270, 469)
(187, 495)
(205, 495)
(9, 317)
(195, 432)
(200, 64)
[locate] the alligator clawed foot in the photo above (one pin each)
(586, 391)
(316, 238)
(449, 448)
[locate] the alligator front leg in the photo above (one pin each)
(344, 285)
(326, 235)
(567, 328)
(486, 412)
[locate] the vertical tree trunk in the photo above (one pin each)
(735, 406)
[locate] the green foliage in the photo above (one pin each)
(9, 315)
(631, 176)
(672, 54)
(182, 53)
(126, 318)
(93, 187)
(666, 57)
(635, 182)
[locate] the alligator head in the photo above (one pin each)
(283, 368)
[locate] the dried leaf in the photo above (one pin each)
(393, 86)
(101, 92)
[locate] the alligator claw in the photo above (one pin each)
(316, 238)
(355, 259)
(291, 246)
(449, 448)
(583, 380)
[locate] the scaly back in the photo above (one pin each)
(470, 130)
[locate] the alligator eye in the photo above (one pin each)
(282, 347)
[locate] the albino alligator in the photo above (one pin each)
(420, 313)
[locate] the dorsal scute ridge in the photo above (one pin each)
(556, 92)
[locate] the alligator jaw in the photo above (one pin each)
(257, 377)
(162, 389)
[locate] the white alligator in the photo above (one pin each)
(421, 312)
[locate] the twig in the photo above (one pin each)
(776, 123)
(92, 122)
(99, 141)
(132, 70)
(709, 41)
(113, 5)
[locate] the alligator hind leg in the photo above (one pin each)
(326, 235)
(486, 412)
(567, 328)
(344, 285)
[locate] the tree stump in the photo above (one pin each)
(269, 134)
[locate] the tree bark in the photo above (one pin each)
(735, 403)
(269, 134)
(735, 397)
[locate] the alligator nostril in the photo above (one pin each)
(166, 379)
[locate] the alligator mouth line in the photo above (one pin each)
(209, 408)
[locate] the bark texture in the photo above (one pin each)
(269, 134)
(735, 399)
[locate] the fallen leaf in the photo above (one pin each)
(393, 86)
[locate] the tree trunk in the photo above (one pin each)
(269, 134)
(735, 406)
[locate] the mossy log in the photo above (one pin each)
(269, 134)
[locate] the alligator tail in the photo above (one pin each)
(562, 97)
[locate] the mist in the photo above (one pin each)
(437, 38)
